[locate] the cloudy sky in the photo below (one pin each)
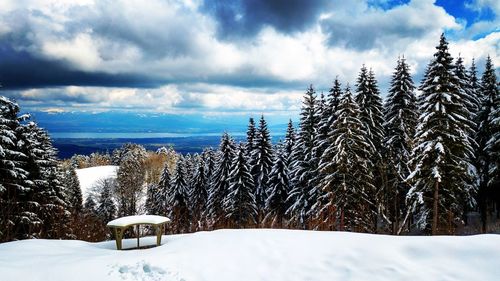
(221, 57)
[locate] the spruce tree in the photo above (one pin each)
(219, 185)
(400, 114)
(149, 205)
(239, 203)
(261, 162)
(208, 157)
(304, 163)
(440, 180)
(323, 114)
(485, 141)
(334, 95)
(44, 172)
(469, 96)
(290, 138)
(199, 195)
(105, 207)
(178, 199)
(493, 150)
(90, 206)
(74, 197)
(279, 187)
(347, 199)
(475, 89)
(470, 100)
(13, 177)
(370, 105)
(251, 136)
(130, 177)
(159, 205)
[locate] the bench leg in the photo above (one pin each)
(138, 234)
(118, 237)
(159, 232)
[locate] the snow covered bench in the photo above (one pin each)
(121, 224)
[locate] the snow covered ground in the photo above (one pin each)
(88, 177)
(274, 255)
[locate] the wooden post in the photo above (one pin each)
(137, 227)
(159, 231)
(118, 237)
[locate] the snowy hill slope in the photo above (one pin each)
(231, 255)
(88, 177)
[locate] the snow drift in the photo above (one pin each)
(230, 255)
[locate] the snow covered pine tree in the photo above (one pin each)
(440, 180)
(400, 114)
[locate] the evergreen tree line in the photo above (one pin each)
(412, 164)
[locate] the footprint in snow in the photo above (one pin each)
(143, 271)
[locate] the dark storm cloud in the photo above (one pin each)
(20, 70)
(245, 18)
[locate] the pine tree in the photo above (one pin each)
(323, 114)
(90, 206)
(239, 203)
(159, 205)
(261, 162)
(485, 138)
(130, 177)
(334, 95)
(370, 105)
(290, 139)
(105, 207)
(219, 185)
(471, 101)
(208, 157)
(440, 180)
(44, 172)
(199, 195)
(178, 199)
(470, 98)
(400, 114)
(13, 177)
(493, 149)
(251, 136)
(151, 191)
(347, 199)
(475, 89)
(74, 197)
(304, 163)
(279, 187)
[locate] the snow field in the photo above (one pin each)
(264, 254)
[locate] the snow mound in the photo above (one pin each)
(229, 255)
(88, 177)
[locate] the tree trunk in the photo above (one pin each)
(395, 211)
(435, 209)
(341, 219)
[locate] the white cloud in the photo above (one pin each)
(174, 41)
(82, 51)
